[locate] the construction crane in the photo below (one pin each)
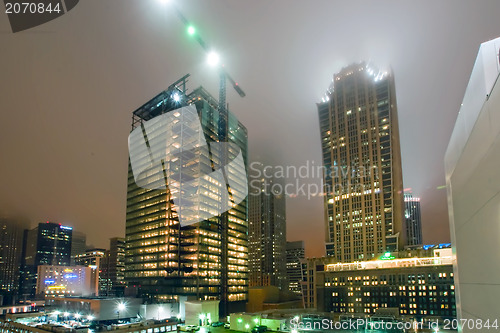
(222, 136)
(224, 74)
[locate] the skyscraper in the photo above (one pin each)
(78, 244)
(413, 220)
(94, 259)
(47, 244)
(266, 235)
(362, 160)
(295, 252)
(11, 249)
(205, 260)
(113, 268)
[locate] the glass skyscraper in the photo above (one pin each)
(413, 220)
(362, 159)
(207, 257)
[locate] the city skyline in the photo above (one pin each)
(79, 139)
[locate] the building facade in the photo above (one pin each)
(112, 270)
(472, 162)
(295, 253)
(413, 220)
(56, 281)
(95, 259)
(205, 260)
(11, 250)
(363, 181)
(91, 257)
(266, 235)
(78, 244)
(419, 287)
(47, 244)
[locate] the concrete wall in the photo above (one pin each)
(472, 165)
(193, 310)
(159, 311)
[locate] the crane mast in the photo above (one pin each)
(222, 136)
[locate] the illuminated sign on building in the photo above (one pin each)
(387, 256)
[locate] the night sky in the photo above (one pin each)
(68, 89)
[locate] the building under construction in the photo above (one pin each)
(206, 259)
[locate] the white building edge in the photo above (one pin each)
(472, 166)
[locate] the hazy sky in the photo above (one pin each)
(68, 88)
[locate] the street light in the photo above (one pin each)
(121, 307)
(160, 310)
(213, 58)
(202, 318)
(90, 317)
(66, 314)
(77, 316)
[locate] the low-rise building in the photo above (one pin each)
(417, 286)
(271, 297)
(55, 281)
(99, 308)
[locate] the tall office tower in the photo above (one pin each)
(78, 244)
(47, 244)
(266, 234)
(363, 179)
(113, 268)
(93, 258)
(295, 252)
(205, 259)
(413, 220)
(11, 249)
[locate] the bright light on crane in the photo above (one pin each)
(213, 58)
(191, 30)
(176, 97)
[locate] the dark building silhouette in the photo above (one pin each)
(11, 250)
(266, 235)
(295, 252)
(78, 244)
(112, 271)
(413, 220)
